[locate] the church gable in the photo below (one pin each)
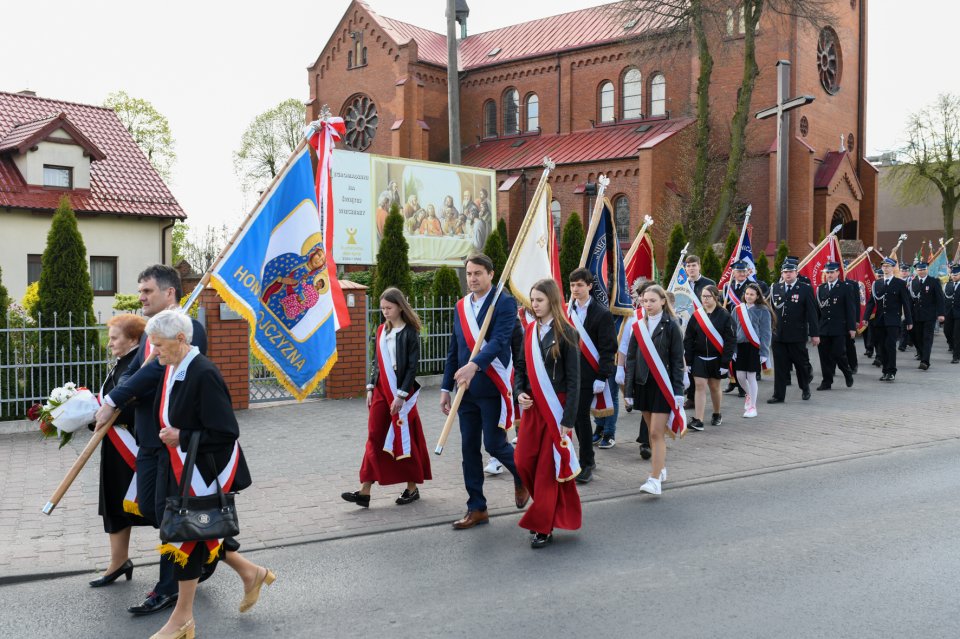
(359, 36)
(836, 175)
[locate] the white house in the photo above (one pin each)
(125, 212)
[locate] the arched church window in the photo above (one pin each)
(606, 102)
(555, 214)
(632, 94)
(511, 112)
(621, 213)
(533, 112)
(490, 119)
(829, 60)
(361, 119)
(658, 95)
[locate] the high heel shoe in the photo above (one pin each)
(251, 596)
(186, 631)
(106, 580)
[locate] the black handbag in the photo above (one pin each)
(191, 518)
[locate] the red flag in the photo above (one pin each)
(812, 265)
(861, 271)
(640, 260)
(555, 265)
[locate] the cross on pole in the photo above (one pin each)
(781, 110)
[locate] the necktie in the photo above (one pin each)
(886, 282)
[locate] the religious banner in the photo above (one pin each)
(640, 261)
(827, 251)
(742, 251)
(604, 259)
(687, 302)
(860, 271)
(536, 251)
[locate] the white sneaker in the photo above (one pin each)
(514, 440)
(747, 401)
(751, 412)
(493, 467)
(663, 474)
(651, 486)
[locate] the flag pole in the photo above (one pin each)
(676, 270)
(743, 229)
(647, 223)
(859, 258)
(504, 278)
(819, 246)
(602, 182)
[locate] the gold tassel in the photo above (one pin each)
(175, 554)
(131, 507)
(214, 553)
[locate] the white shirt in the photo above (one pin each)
(544, 328)
(476, 305)
(653, 321)
(626, 334)
(581, 309)
(392, 343)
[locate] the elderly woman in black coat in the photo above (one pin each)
(194, 401)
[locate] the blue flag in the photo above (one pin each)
(687, 301)
(605, 262)
(939, 267)
(275, 276)
(746, 255)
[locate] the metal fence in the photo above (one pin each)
(38, 355)
(264, 386)
(436, 317)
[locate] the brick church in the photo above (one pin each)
(601, 92)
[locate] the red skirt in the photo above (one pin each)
(555, 504)
(380, 466)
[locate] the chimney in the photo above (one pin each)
(463, 11)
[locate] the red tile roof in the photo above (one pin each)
(591, 145)
(826, 170)
(25, 136)
(586, 27)
(122, 183)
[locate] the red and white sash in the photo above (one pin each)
(713, 335)
(565, 461)
(748, 328)
(397, 442)
(526, 317)
(180, 551)
(500, 375)
(126, 445)
(677, 423)
(732, 296)
(602, 404)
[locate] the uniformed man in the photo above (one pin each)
(889, 302)
(851, 340)
(869, 344)
(906, 334)
(796, 309)
(951, 323)
(928, 308)
(837, 323)
(796, 260)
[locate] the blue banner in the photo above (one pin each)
(605, 262)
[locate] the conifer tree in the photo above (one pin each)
(763, 268)
(502, 230)
(393, 263)
(571, 245)
(678, 239)
(495, 251)
(712, 267)
(729, 245)
(65, 287)
(782, 252)
(446, 286)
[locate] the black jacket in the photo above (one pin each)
(951, 294)
(563, 371)
(695, 342)
(127, 415)
(855, 293)
(928, 300)
(701, 284)
(886, 303)
(668, 340)
(408, 358)
(600, 327)
(838, 310)
(796, 312)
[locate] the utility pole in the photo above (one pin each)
(453, 74)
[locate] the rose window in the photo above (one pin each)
(361, 120)
(829, 60)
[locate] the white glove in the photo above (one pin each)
(763, 360)
(598, 387)
(686, 380)
(734, 356)
(678, 399)
(621, 375)
(724, 372)
(628, 402)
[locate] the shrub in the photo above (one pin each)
(678, 239)
(446, 286)
(128, 302)
(495, 251)
(782, 252)
(571, 245)
(712, 267)
(763, 268)
(393, 263)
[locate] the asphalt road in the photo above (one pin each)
(866, 547)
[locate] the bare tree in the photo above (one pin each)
(267, 143)
(931, 158)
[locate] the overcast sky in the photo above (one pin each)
(211, 67)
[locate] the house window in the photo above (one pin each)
(621, 212)
(511, 112)
(490, 119)
(34, 266)
(658, 95)
(606, 102)
(357, 56)
(103, 275)
(736, 21)
(533, 112)
(58, 177)
(632, 94)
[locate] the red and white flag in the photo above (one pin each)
(861, 272)
(812, 265)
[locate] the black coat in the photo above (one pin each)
(951, 294)
(701, 284)
(855, 293)
(408, 358)
(838, 310)
(600, 327)
(796, 313)
(127, 415)
(668, 340)
(887, 301)
(563, 371)
(695, 342)
(928, 300)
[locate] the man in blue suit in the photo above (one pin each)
(479, 411)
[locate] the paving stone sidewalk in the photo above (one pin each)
(302, 456)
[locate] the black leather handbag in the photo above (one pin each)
(191, 518)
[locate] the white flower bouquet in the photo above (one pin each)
(68, 409)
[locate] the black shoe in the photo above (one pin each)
(153, 603)
(923, 366)
(806, 394)
(716, 419)
(868, 353)
(885, 377)
(407, 497)
(688, 404)
(356, 498)
(848, 378)
(823, 386)
(955, 360)
(902, 349)
(730, 388)
(645, 452)
(586, 474)
(741, 393)
(917, 357)
(877, 362)
(695, 424)
(891, 377)
(207, 571)
(540, 540)
(775, 400)
(106, 580)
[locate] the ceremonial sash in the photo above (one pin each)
(566, 464)
(180, 551)
(126, 445)
(748, 328)
(526, 317)
(500, 375)
(397, 443)
(677, 423)
(713, 335)
(602, 404)
(732, 296)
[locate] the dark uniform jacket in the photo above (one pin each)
(668, 340)
(838, 310)
(928, 301)
(563, 371)
(408, 357)
(599, 325)
(951, 294)
(701, 284)
(855, 294)
(696, 343)
(887, 301)
(796, 312)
